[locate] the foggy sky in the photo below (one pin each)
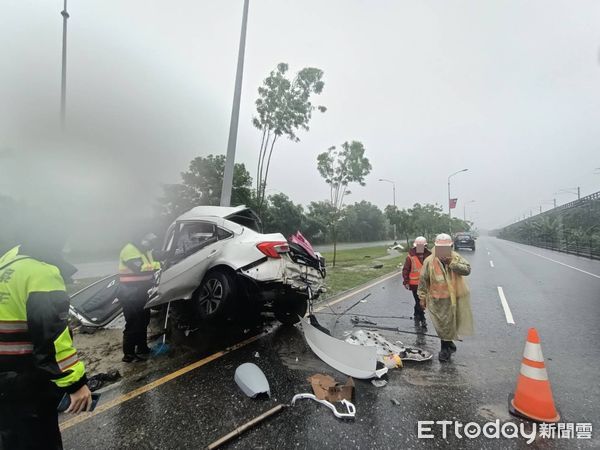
(508, 89)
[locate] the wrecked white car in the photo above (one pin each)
(217, 260)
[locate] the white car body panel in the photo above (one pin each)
(238, 252)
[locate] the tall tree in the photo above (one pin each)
(282, 215)
(363, 222)
(339, 168)
(283, 107)
(318, 221)
(201, 185)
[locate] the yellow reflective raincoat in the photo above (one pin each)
(447, 296)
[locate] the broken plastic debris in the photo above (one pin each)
(326, 388)
(257, 355)
(252, 380)
(353, 360)
(386, 351)
(378, 383)
(350, 408)
(395, 402)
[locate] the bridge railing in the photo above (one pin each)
(572, 228)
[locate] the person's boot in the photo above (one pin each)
(451, 346)
(445, 353)
(128, 349)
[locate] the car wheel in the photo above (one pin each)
(473, 248)
(214, 295)
(287, 309)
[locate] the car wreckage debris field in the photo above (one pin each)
(189, 398)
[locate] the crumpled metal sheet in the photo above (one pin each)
(353, 360)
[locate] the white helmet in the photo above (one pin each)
(443, 240)
(420, 240)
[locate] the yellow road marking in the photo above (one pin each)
(82, 417)
(148, 387)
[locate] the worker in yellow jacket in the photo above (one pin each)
(136, 277)
(444, 292)
(38, 363)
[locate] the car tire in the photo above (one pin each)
(215, 295)
(288, 309)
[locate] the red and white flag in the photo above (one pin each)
(453, 202)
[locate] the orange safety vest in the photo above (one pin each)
(415, 271)
(438, 288)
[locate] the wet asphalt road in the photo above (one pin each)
(203, 404)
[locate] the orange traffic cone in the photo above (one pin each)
(533, 399)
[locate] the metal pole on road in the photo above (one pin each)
(394, 193)
(450, 209)
(63, 79)
(235, 115)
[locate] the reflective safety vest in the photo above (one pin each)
(415, 271)
(34, 308)
(149, 266)
(438, 287)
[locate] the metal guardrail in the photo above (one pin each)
(573, 247)
(576, 228)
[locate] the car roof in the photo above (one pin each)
(212, 211)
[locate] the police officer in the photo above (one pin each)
(38, 363)
(136, 277)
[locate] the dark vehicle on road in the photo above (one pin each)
(464, 240)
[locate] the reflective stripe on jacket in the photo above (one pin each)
(130, 253)
(34, 309)
(415, 271)
(438, 287)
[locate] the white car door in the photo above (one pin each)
(191, 249)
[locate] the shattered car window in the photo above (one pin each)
(247, 219)
(194, 236)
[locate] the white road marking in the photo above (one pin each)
(557, 262)
(354, 293)
(491, 263)
(505, 307)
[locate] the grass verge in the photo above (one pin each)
(356, 267)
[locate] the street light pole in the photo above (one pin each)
(63, 79)
(450, 209)
(394, 194)
(235, 115)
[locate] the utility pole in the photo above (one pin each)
(555, 202)
(235, 115)
(63, 80)
(450, 209)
